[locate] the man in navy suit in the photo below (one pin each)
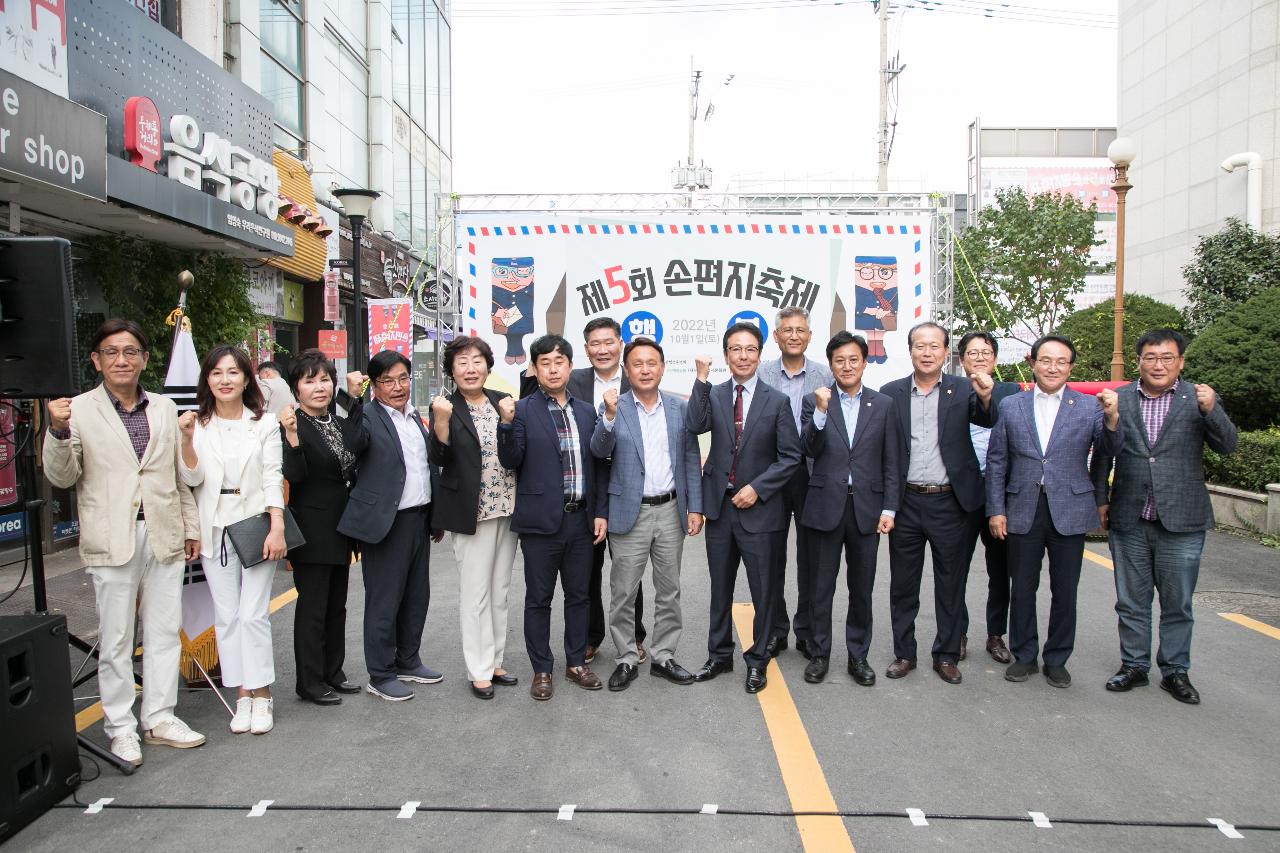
(1040, 496)
(545, 439)
(854, 492)
(389, 514)
(943, 489)
(754, 451)
(655, 499)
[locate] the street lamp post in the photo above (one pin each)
(356, 203)
(1121, 152)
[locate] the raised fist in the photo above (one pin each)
(355, 383)
(441, 408)
(611, 403)
(1108, 400)
(507, 410)
(60, 413)
(703, 365)
(187, 425)
(821, 397)
(1205, 398)
(982, 384)
(288, 419)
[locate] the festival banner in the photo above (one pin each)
(683, 278)
(391, 326)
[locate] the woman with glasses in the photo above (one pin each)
(231, 460)
(477, 496)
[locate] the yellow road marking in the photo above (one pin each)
(93, 713)
(1099, 559)
(801, 773)
(1252, 624)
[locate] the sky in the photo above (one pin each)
(567, 96)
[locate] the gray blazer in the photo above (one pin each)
(625, 443)
(1173, 467)
(816, 374)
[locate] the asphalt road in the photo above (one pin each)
(974, 758)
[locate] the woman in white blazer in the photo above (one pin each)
(231, 460)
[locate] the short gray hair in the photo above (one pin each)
(791, 311)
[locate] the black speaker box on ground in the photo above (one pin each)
(38, 350)
(39, 762)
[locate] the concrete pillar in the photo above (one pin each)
(1273, 509)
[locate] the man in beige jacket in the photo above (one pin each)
(119, 447)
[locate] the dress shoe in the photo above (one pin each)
(802, 646)
(482, 692)
(505, 680)
(1020, 671)
(590, 655)
(947, 671)
(998, 650)
(862, 672)
(346, 687)
(328, 697)
(712, 668)
(1057, 676)
(1127, 678)
(622, 677)
(671, 671)
(900, 667)
(755, 679)
(964, 647)
(541, 688)
(583, 677)
(816, 670)
(641, 654)
(1179, 687)
(775, 646)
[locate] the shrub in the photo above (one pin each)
(1255, 463)
(1239, 355)
(1093, 331)
(1230, 267)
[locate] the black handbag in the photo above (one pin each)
(248, 536)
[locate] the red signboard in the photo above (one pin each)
(8, 467)
(331, 297)
(391, 326)
(333, 343)
(142, 139)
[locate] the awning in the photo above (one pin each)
(299, 213)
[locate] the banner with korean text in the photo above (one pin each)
(683, 278)
(391, 326)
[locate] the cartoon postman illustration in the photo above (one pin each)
(875, 280)
(513, 304)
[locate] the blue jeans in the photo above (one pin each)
(1149, 557)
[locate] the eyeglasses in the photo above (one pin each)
(743, 350)
(978, 353)
(1054, 362)
(112, 353)
(868, 273)
(796, 331)
(1165, 359)
(394, 382)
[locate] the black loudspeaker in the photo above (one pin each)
(39, 763)
(37, 319)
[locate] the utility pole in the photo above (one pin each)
(882, 180)
(687, 175)
(693, 107)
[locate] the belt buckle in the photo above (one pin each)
(572, 506)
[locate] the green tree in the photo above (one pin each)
(140, 280)
(1020, 267)
(1093, 331)
(1239, 355)
(1230, 267)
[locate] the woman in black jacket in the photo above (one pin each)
(319, 468)
(476, 496)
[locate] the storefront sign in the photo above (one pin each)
(237, 175)
(11, 526)
(51, 140)
(34, 44)
(8, 470)
(333, 343)
(142, 140)
(266, 291)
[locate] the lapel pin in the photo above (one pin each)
(1071, 402)
(948, 390)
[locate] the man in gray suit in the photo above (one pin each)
(1158, 509)
(655, 499)
(1039, 495)
(795, 375)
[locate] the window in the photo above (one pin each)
(432, 60)
(282, 63)
(400, 52)
(417, 58)
(446, 94)
(352, 113)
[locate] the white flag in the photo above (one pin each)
(184, 372)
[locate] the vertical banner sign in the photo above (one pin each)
(8, 464)
(331, 307)
(333, 343)
(683, 278)
(391, 326)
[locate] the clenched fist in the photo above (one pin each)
(821, 397)
(187, 425)
(1205, 398)
(60, 413)
(441, 408)
(982, 385)
(702, 363)
(507, 410)
(355, 383)
(611, 403)
(1109, 401)
(288, 419)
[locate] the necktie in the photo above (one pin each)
(737, 432)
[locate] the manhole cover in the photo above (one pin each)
(1256, 604)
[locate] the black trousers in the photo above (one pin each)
(397, 592)
(860, 561)
(596, 624)
(997, 559)
(728, 545)
(565, 554)
(941, 523)
(1026, 553)
(319, 627)
(793, 495)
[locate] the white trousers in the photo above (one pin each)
(116, 592)
(484, 563)
(241, 618)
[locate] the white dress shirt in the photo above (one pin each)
(599, 386)
(748, 394)
(413, 446)
(659, 478)
(849, 409)
(1046, 408)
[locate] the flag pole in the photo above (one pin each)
(185, 282)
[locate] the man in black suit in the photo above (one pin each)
(559, 511)
(754, 451)
(943, 490)
(602, 337)
(851, 434)
(978, 351)
(389, 514)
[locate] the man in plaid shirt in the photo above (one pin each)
(1157, 509)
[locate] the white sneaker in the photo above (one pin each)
(126, 748)
(244, 709)
(175, 733)
(262, 718)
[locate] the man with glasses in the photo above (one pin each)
(119, 448)
(978, 351)
(875, 285)
(942, 491)
(795, 375)
(1157, 509)
(389, 514)
(755, 449)
(1039, 495)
